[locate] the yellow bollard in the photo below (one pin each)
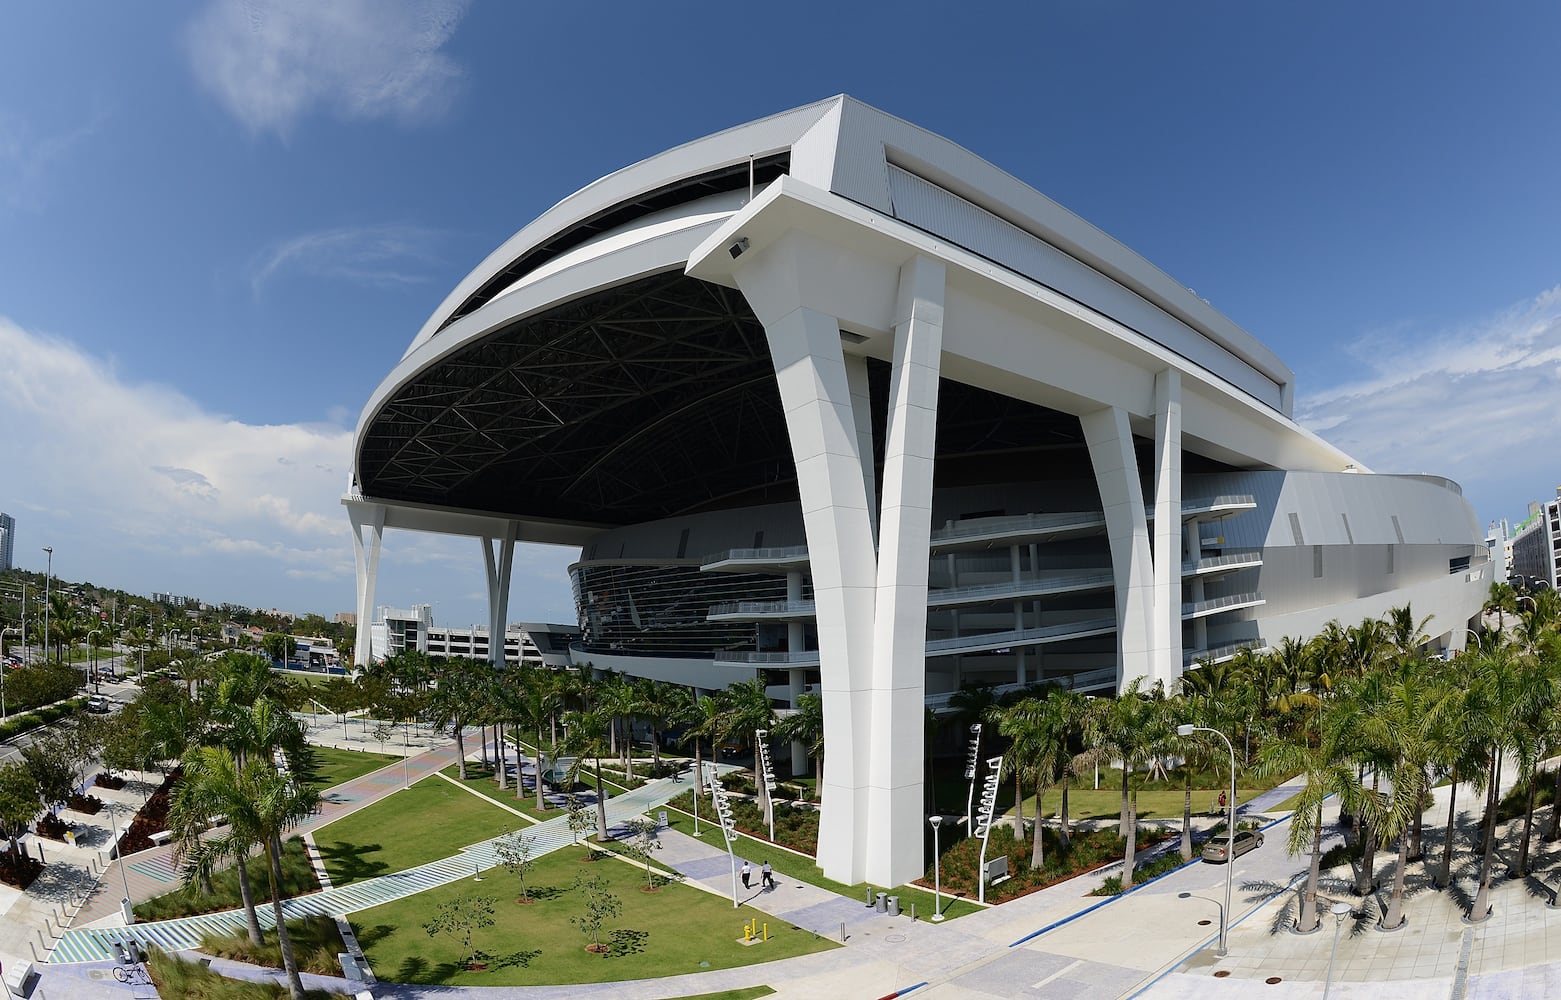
(766, 930)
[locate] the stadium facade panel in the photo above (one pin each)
(828, 401)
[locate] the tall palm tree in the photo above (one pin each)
(1312, 751)
(1503, 601)
(1132, 729)
(587, 736)
(702, 721)
(454, 701)
(535, 702)
(261, 804)
(1415, 706)
(805, 725)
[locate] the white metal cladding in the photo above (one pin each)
(733, 145)
(943, 213)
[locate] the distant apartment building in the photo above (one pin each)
(176, 600)
(7, 540)
(1536, 546)
(398, 630)
(1498, 542)
(346, 618)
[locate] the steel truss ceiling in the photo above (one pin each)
(650, 400)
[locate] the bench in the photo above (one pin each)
(17, 978)
(161, 837)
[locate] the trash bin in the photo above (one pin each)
(882, 906)
(894, 906)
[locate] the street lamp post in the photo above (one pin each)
(94, 651)
(4, 669)
(1187, 729)
(48, 578)
(937, 872)
(114, 809)
(1339, 911)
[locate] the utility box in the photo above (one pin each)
(19, 979)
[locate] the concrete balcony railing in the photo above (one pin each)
(1216, 605)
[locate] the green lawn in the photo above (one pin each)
(789, 866)
(431, 820)
(1088, 803)
(297, 879)
(675, 930)
(336, 766)
(480, 780)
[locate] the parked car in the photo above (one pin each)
(100, 705)
(734, 747)
(1218, 847)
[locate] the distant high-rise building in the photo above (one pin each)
(7, 537)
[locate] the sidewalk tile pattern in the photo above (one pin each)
(90, 944)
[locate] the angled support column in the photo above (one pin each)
(498, 589)
(1110, 442)
(815, 393)
(895, 799)
(1166, 658)
(366, 556)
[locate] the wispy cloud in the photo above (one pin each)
(372, 255)
(27, 158)
(270, 62)
(1469, 402)
(136, 485)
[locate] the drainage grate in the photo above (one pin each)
(1221, 974)
(1273, 980)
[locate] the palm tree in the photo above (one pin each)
(1502, 600)
(1039, 750)
(1131, 729)
(261, 804)
(656, 703)
(805, 725)
(535, 702)
(1498, 698)
(702, 721)
(1313, 752)
(454, 702)
(1415, 708)
(587, 735)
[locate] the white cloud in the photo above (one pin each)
(1469, 402)
(269, 62)
(27, 159)
(371, 255)
(137, 486)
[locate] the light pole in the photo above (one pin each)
(93, 649)
(1339, 911)
(1187, 729)
(4, 669)
(1217, 906)
(937, 872)
(114, 809)
(48, 578)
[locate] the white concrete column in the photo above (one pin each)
(499, 566)
(815, 393)
(366, 557)
(895, 803)
(1166, 655)
(1110, 442)
(870, 601)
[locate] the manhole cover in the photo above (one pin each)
(895, 938)
(1273, 980)
(1204, 923)
(1222, 973)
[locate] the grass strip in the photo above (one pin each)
(427, 822)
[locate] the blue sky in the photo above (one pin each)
(221, 224)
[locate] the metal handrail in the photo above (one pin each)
(1215, 654)
(1233, 557)
(1019, 522)
(782, 553)
(762, 608)
(1023, 585)
(1215, 603)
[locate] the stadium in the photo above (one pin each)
(827, 400)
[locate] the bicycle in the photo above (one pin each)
(132, 975)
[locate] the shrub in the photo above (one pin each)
(316, 943)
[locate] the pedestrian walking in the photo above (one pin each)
(766, 877)
(745, 875)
